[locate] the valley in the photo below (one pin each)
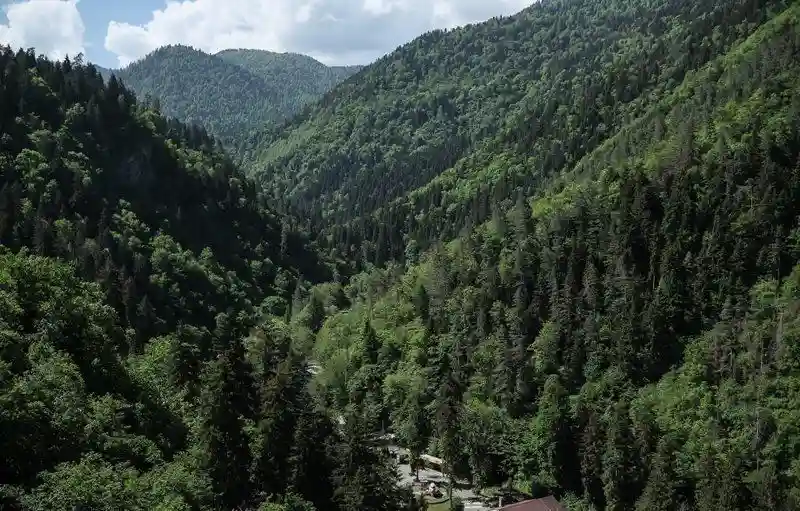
(557, 253)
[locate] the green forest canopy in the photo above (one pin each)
(559, 250)
(232, 92)
(138, 267)
(430, 139)
(622, 336)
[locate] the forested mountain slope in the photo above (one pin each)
(301, 78)
(135, 259)
(625, 339)
(419, 144)
(232, 92)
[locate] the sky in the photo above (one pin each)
(113, 33)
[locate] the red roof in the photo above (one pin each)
(545, 504)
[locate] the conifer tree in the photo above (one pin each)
(227, 451)
(365, 478)
(619, 461)
(660, 492)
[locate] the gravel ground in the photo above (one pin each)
(471, 501)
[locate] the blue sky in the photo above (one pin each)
(113, 33)
(97, 14)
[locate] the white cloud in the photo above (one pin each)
(335, 31)
(54, 27)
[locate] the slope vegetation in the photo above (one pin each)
(625, 339)
(302, 79)
(419, 144)
(135, 265)
(232, 92)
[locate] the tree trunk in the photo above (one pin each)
(450, 491)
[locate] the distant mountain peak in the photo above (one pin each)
(232, 91)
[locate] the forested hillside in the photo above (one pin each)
(232, 92)
(419, 145)
(572, 266)
(144, 363)
(302, 79)
(623, 333)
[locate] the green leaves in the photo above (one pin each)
(102, 350)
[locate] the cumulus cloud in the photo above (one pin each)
(54, 27)
(334, 31)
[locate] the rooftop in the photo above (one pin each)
(544, 504)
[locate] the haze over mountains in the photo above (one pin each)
(559, 250)
(231, 92)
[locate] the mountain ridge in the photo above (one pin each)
(414, 141)
(230, 92)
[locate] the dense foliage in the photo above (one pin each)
(576, 231)
(301, 79)
(419, 145)
(627, 339)
(142, 361)
(232, 92)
